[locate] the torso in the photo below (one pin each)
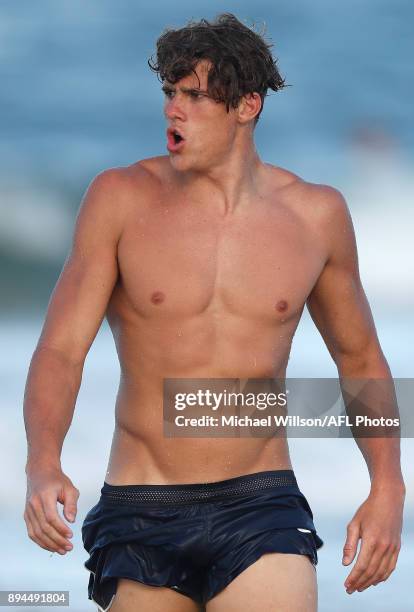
(205, 295)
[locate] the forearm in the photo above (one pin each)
(382, 456)
(49, 401)
(368, 390)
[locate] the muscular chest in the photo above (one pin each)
(180, 262)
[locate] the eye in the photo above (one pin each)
(168, 93)
(195, 95)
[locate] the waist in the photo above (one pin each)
(158, 460)
(199, 492)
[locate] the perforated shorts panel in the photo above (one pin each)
(195, 493)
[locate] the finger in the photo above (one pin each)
(361, 565)
(351, 544)
(385, 568)
(391, 566)
(52, 516)
(380, 574)
(69, 499)
(32, 529)
(37, 535)
(379, 558)
(47, 529)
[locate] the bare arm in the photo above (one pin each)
(74, 315)
(340, 310)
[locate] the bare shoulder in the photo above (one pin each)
(322, 198)
(116, 191)
(328, 201)
(330, 215)
(322, 210)
(280, 178)
(121, 180)
(330, 221)
(145, 171)
(151, 171)
(316, 203)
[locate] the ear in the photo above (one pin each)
(249, 107)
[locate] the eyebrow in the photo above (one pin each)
(168, 88)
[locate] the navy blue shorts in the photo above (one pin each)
(194, 538)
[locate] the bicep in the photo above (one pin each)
(79, 300)
(338, 304)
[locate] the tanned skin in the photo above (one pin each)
(203, 261)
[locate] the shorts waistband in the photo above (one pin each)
(199, 492)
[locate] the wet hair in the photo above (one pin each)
(240, 59)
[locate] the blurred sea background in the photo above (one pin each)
(77, 97)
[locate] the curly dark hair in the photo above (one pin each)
(240, 58)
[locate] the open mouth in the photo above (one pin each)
(175, 139)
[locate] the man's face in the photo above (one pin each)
(207, 131)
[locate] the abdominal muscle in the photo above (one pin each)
(141, 454)
(194, 348)
(152, 459)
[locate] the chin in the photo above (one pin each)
(182, 164)
(199, 164)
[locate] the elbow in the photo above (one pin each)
(366, 362)
(49, 352)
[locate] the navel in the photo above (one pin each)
(281, 306)
(157, 297)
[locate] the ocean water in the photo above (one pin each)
(80, 95)
(77, 97)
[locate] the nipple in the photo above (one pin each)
(157, 297)
(282, 306)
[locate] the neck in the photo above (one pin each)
(232, 180)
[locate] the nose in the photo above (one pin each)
(174, 108)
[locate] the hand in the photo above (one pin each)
(46, 487)
(378, 522)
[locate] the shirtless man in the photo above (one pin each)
(202, 261)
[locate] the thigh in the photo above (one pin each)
(277, 582)
(133, 596)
